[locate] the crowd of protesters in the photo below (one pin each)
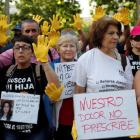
(31, 55)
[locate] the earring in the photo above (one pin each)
(132, 45)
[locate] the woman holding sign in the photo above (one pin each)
(101, 68)
(67, 47)
(29, 79)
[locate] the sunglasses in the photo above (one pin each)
(136, 38)
(64, 33)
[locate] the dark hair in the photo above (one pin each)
(128, 43)
(30, 21)
(9, 112)
(100, 27)
(90, 35)
(25, 39)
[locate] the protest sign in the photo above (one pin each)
(106, 114)
(64, 72)
(25, 106)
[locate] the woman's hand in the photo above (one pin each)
(77, 22)
(3, 28)
(55, 23)
(42, 49)
(53, 36)
(3, 38)
(44, 28)
(37, 18)
(98, 13)
(54, 93)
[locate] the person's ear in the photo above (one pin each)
(131, 41)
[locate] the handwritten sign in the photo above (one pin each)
(25, 108)
(106, 114)
(64, 72)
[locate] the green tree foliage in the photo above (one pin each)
(2, 7)
(86, 26)
(113, 6)
(46, 9)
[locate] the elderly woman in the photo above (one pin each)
(67, 47)
(102, 63)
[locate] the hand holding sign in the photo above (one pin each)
(54, 93)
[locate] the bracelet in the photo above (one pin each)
(47, 69)
(46, 64)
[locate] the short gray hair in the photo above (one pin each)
(67, 37)
(31, 21)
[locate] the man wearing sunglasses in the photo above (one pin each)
(133, 49)
(31, 29)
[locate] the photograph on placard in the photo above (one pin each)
(6, 110)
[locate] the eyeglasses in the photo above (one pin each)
(136, 38)
(64, 33)
(25, 48)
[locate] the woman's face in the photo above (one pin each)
(111, 37)
(6, 108)
(135, 41)
(67, 51)
(22, 56)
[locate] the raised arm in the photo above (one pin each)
(99, 12)
(41, 52)
(78, 26)
(123, 17)
(125, 35)
(3, 28)
(83, 40)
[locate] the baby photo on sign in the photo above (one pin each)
(6, 110)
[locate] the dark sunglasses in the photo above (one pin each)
(136, 38)
(64, 33)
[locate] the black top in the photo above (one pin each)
(22, 80)
(134, 61)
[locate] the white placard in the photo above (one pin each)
(25, 106)
(64, 72)
(106, 114)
